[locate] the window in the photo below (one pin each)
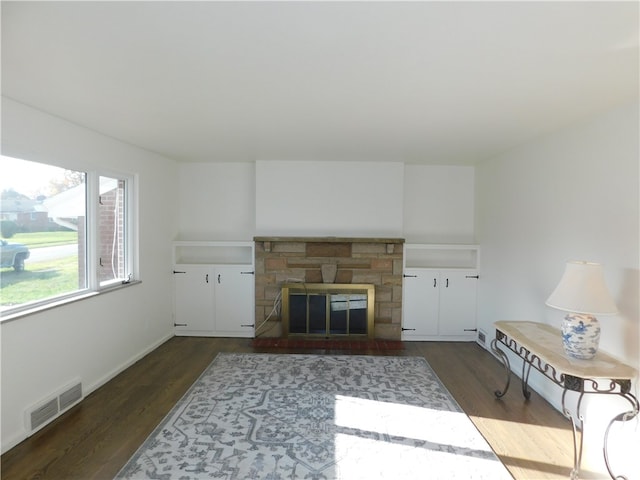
(65, 233)
(112, 231)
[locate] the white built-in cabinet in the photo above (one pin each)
(439, 292)
(214, 289)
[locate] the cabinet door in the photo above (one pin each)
(234, 300)
(193, 298)
(420, 309)
(458, 303)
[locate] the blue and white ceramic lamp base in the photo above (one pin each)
(580, 335)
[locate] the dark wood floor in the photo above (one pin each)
(96, 438)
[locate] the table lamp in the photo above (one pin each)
(583, 294)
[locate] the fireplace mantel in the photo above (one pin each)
(389, 242)
(330, 239)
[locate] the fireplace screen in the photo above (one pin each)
(326, 310)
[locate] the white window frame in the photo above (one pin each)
(130, 230)
(131, 241)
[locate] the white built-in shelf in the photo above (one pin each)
(212, 253)
(422, 255)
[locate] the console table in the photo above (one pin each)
(540, 346)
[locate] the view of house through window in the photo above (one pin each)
(49, 237)
(42, 220)
(111, 227)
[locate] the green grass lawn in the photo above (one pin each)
(38, 281)
(42, 279)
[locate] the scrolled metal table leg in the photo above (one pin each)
(507, 368)
(526, 368)
(577, 441)
(623, 417)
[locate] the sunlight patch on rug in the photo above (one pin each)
(269, 416)
(407, 421)
(386, 461)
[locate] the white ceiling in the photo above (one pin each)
(418, 82)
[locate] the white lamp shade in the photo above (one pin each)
(582, 290)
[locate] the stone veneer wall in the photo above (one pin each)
(376, 261)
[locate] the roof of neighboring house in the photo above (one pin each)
(68, 204)
(14, 202)
(71, 203)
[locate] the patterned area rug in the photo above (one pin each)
(270, 416)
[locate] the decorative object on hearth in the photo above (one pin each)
(329, 271)
(583, 294)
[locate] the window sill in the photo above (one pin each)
(8, 317)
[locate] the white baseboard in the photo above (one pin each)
(8, 444)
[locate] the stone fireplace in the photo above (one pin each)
(285, 260)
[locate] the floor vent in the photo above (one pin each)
(70, 396)
(482, 337)
(51, 408)
(43, 414)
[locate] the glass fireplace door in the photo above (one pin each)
(328, 310)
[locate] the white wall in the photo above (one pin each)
(92, 339)
(357, 199)
(570, 196)
(216, 201)
(439, 204)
